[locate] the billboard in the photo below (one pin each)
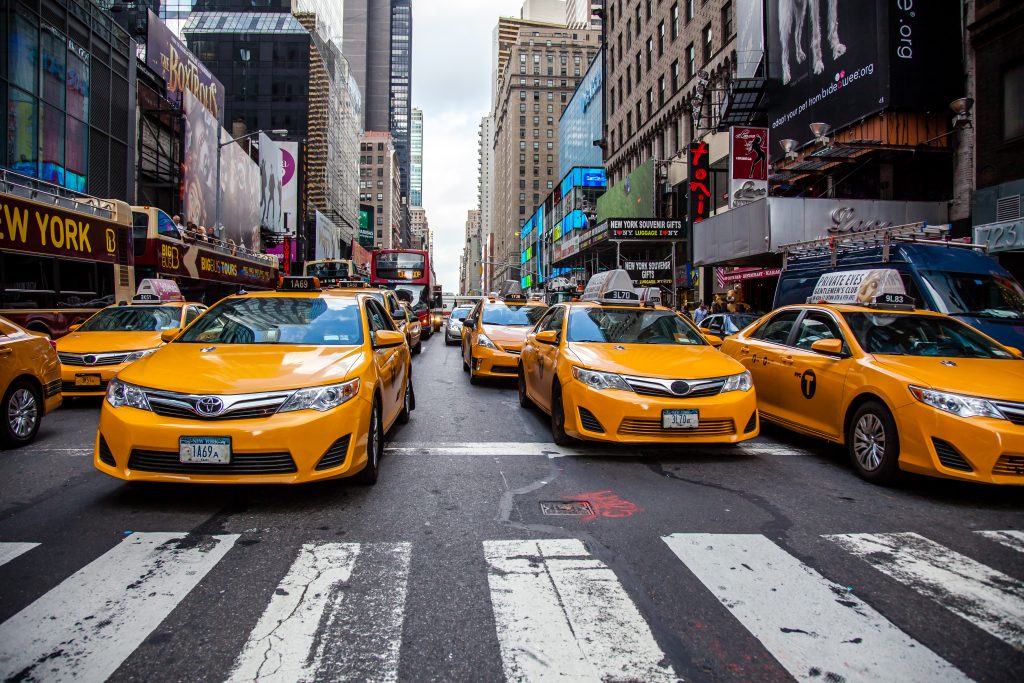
(632, 198)
(239, 196)
(289, 185)
(366, 226)
(327, 238)
(748, 165)
(649, 273)
(838, 61)
(180, 69)
(698, 170)
(271, 181)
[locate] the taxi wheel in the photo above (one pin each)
(465, 365)
(408, 403)
(558, 418)
(524, 400)
(374, 449)
(874, 443)
(473, 377)
(22, 411)
(418, 348)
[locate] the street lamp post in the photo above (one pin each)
(222, 145)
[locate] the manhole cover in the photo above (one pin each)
(567, 507)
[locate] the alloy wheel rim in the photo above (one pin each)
(22, 413)
(869, 441)
(373, 436)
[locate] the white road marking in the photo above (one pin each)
(87, 626)
(1009, 538)
(65, 451)
(983, 596)
(562, 614)
(9, 551)
(318, 627)
(814, 627)
(551, 450)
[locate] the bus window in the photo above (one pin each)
(77, 282)
(165, 227)
(140, 231)
(28, 281)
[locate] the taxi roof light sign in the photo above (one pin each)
(154, 289)
(858, 287)
(298, 283)
(511, 290)
(612, 287)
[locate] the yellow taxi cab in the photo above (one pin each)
(409, 325)
(494, 332)
(283, 387)
(93, 352)
(612, 367)
(902, 389)
(29, 380)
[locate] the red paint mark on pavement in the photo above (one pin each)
(606, 504)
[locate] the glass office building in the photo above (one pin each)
(580, 124)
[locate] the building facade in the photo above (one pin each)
(550, 11)
(485, 192)
(420, 228)
(416, 159)
(580, 125)
(366, 43)
(401, 90)
(469, 265)
(583, 13)
(379, 187)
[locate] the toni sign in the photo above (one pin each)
(700, 182)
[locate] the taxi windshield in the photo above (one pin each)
(974, 294)
(326, 321)
(133, 319)
(895, 334)
(460, 313)
(512, 314)
(630, 326)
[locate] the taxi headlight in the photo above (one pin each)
(740, 382)
(600, 380)
(135, 355)
(482, 340)
(958, 404)
(321, 398)
(123, 394)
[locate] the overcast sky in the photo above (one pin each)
(451, 63)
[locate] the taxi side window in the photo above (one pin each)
(816, 326)
(777, 329)
(715, 324)
(376, 317)
(554, 320)
(191, 313)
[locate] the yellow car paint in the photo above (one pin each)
(28, 360)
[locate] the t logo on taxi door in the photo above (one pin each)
(808, 384)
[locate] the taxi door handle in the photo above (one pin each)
(786, 360)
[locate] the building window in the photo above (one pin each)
(650, 52)
(689, 10)
(675, 77)
(661, 39)
(675, 20)
(707, 44)
(638, 19)
(727, 27)
(650, 103)
(629, 34)
(661, 91)
(380, 196)
(691, 61)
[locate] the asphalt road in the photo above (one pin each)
(766, 562)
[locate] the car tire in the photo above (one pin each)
(474, 378)
(408, 402)
(418, 349)
(465, 365)
(524, 399)
(374, 449)
(559, 436)
(874, 444)
(22, 411)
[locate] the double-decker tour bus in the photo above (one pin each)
(63, 255)
(406, 270)
(206, 268)
(330, 271)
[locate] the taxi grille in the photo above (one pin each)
(79, 359)
(653, 386)
(589, 422)
(335, 455)
(504, 369)
(636, 426)
(751, 423)
(1012, 465)
(1014, 412)
(166, 462)
(236, 407)
(93, 389)
(106, 457)
(950, 457)
(52, 388)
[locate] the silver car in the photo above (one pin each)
(453, 326)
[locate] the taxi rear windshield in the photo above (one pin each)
(630, 326)
(890, 334)
(513, 315)
(322, 321)
(133, 319)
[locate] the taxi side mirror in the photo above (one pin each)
(828, 347)
(72, 328)
(706, 330)
(547, 337)
(169, 335)
(713, 339)
(385, 339)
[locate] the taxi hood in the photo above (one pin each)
(508, 334)
(241, 368)
(655, 360)
(107, 342)
(991, 378)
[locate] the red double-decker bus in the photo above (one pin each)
(406, 270)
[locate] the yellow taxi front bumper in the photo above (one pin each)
(981, 449)
(284, 448)
(492, 363)
(626, 417)
(87, 380)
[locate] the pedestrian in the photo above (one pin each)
(700, 313)
(686, 311)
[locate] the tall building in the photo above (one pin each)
(485, 192)
(469, 264)
(540, 75)
(580, 13)
(366, 43)
(551, 11)
(416, 159)
(420, 228)
(175, 13)
(379, 187)
(401, 86)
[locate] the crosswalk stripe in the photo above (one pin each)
(9, 551)
(85, 627)
(812, 626)
(336, 615)
(561, 613)
(983, 596)
(1009, 538)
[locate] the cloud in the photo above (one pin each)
(451, 83)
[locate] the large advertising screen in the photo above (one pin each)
(180, 69)
(632, 198)
(239, 196)
(271, 184)
(289, 185)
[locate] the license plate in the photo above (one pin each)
(205, 449)
(679, 419)
(87, 380)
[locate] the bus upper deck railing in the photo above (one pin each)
(227, 247)
(41, 191)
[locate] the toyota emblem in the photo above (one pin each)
(89, 360)
(679, 387)
(209, 405)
